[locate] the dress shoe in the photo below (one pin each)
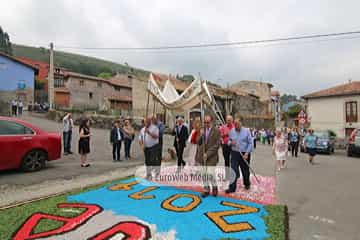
(215, 191)
(205, 194)
(228, 191)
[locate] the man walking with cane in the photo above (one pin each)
(241, 143)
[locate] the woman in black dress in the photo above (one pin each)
(84, 142)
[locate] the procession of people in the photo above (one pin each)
(203, 139)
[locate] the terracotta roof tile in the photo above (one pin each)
(21, 62)
(340, 90)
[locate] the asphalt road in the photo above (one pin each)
(68, 166)
(322, 198)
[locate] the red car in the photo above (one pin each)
(25, 146)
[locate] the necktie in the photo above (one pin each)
(207, 135)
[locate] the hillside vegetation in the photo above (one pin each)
(75, 62)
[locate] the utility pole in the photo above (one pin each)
(51, 78)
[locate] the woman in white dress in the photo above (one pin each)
(280, 149)
(192, 142)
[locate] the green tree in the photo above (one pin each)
(5, 44)
(39, 85)
(294, 110)
(105, 75)
(286, 98)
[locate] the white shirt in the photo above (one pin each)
(68, 124)
(119, 135)
(147, 139)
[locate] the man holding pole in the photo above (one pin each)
(208, 144)
(241, 144)
(226, 149)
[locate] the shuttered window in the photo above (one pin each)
(351, 111)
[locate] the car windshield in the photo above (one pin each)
(322, 134)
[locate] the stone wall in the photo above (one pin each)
(140, 98)
(4, 108)
(261, 89)
(80, 95)
(97, 120)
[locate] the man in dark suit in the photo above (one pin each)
(181, 134)
(116, 137)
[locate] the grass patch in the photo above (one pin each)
(276, 222)
(11, 219)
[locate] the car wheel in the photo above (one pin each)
(34, 161)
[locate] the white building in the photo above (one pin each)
(335, 108)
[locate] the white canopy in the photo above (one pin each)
(188, 99)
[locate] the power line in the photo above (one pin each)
(222, 44)
(231, 48)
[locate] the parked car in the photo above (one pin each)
(325, 142)
(353, 147)
(24, 146)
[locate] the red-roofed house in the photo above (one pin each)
(335, 108)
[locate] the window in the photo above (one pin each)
(351, 111)
(99, 84)
(82, 83)
(12, 128)
(90, 95)
(59, 82)
(117, 88)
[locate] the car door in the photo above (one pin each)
(15, 142)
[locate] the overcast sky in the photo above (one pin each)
(296, 68)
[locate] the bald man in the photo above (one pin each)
(149, 139)
(226, 149)
(241, 143)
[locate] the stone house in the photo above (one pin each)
(335, 108)
(79, 91)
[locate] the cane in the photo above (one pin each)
(252, 171)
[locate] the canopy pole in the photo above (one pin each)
(154, 106)
(147, 105)
(202, 121)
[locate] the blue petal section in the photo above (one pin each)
(188, 225)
